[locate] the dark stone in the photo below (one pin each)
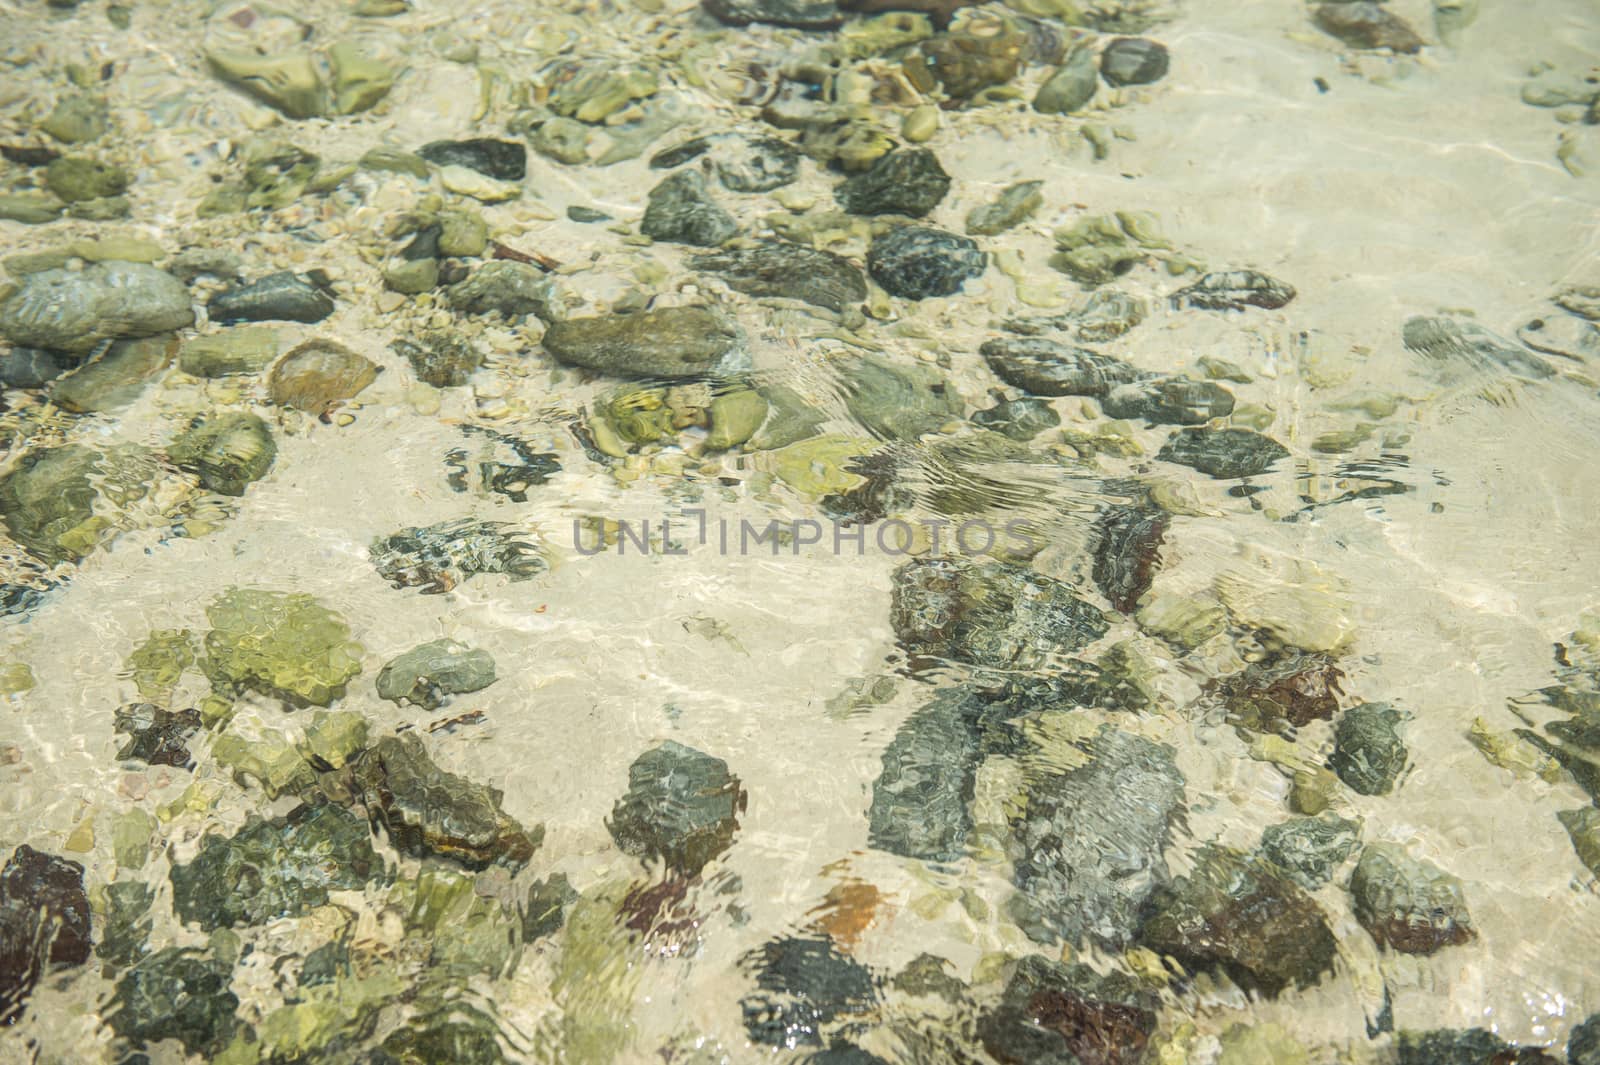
(177, 993)
(789, 271)
(919, 262)
(157, 736)
(1583, 1045)
(844, 1054)
(1234, 290)
(796, 14)
(578, 213)
(284, 296)
(672, 342)
(548, 902)
(125, 933)
(33, 367)
(438, 557)
(1018, 419)
(804, 984)
(1368, 753)
(501, 160)
(908, 181)
(283, 867)
(324, 965)
(920, 800)
(1407, 904)
(443, 360)
(1133, 61)
(898, 401)
(1309, 849)
(681, 210)
(1015, 205)
(1282, 692)
(228, 451)
(511, 289)
(682, 807)
(1222, 453)
(44, 923)
(1088, 845)
(1362, 24)
(987, 613)
(428, 674)
(1467, 1046)
(1169, 401)
(927, 975)
(1055, 1014)
(741, 163)
(29, 155)
(424, 244)
(1127, 553)
(1050, 368)
(1245, 918)
(1458, 340)
(428, 812)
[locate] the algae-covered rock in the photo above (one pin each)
(76, 310)
(116, 377)
(1088, 843)
(906, 182)
(30, 208)
(44, 923)
(271, 760)
(682, 808)
(157, 664)
(682, 211)
(1127, 552)
(1368, 753)
(276, 173)
(239, 350)
(282, 867)
(1168, 401)
(1261, 1044)
(1243, 917)
(441, 359)
(566, 140)
(358, 79)
(1308, 849)
(124, 906)
(790, 271)
(228, 451)
(77, 118)
(156, 736)
(1408, 904)
(920, 262)
(47, 501)
(1101, 248)
(899, 401)
(803, 985)
(1467, 1046)
(427, 674)
(284, 296)
(511, 289)
(177, 993)
(965, 64)
(78, 177)
(671, 342)
(735, 417)
(284, 645)
(318, 374)
(998, 615)
(1014, 206)
(1222, 453)
(1282, 691)
(1234, 290)
(921, 799)
(1056, 1014)
(1050, 368)
(440, 556)
(742, 164)
(429, 812)
(287, 81)
(591, 90)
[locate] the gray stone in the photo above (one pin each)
(1308, 849)
(1222, 453)
(798, 14)
(115, 378)
(177, 993)
(1407, 904)
(32, 367)
(682, 808)
(789, 271)
(1364, 24)
(1234, 290)
(1014, 206)
(1049, 368)
(228, 451)
(428, 674)
(682, 211)
(283, 296)
(1070, 87)
(920, 799)
(919, 262)
(671, 342)
(76, 311)
(909, 182)
(1018, 419)
(1368, 753)
(511, 289)
(441, 359)
(1133, 61)
(1468, 344)
(501, 160)
(1168, 401)
(898, 401)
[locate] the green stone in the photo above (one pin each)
(681, 808)
(77, 119)
(177, 993)
(359, 80)
(462, 234)
(272, 761)
(131, 833)
(284, 645)
(735, 418)
(159, 663)
(47, 501)
(30, 208)
(101, 208)
(426, 675)
(334, 738)
(116, 378)
(1368, 753)
(672, 342)
(78, 177)
(411, 277)
(228, 451)
(566, 140)
(397, 161)
(1014, 206)
(236, 350)
(287, 81)
(1583, 825)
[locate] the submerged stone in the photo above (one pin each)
(77, 310)
(671, 342)
(682, 211)
(287, 81)
(35, 367)
(1126, 553)
(1407, 904)
(804, 984)
(1565, 335)
(1366, 24)
(242, 349)
(284, 296)
(116, 377)
(997, 615)
(1282, 691)
(1050, 368)
(1460, 340)
(965, 64)
(177, 993)
(283, 867)
(1014, 206)
(501, 160)
(44, 923)
(920, 262)
(909, 182)
(921, 797)
(1222, 453)
(76, 177)
(511, 289)
(319, 374)
(742, 164)
(156, 736)
(1368, 753)
(228, 452)
(429, 812)
(1070, 87)
(358, 80)
(1056, 1014)
(1583, 1045)
(77, 119)
(47, 501)
(440, 556)
(284, 645)
(1133, 61)
(1468, 1046)
(1309, 849)
(1168, 401)
(898, 402)
(1234, 290)
(426, 675)
(443, 360)
(1245, 918)
(682, 807)
(789, 271)
(1583, 825)
(1018, 419)
(1088, 845)
(796, 14)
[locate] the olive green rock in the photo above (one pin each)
(318, 374)
(78, 177)
(47, 499)
(284, 645)
(77, 119)
(735, 418)
(899, 401)
(1014, 206)
(30, 208)
(1583, 825)
(411, 277)
(463, 233)
(443, 360)
(287, 81)
(75, 310)
(176, 993)
(1070, 87)
(101, 208)
(426, 675)
(228, 451)
(671, 342)
(682, 807)
(116, 378)
(157, 664)
(566, 140)
(396, 161)
(1368, 753)
(359, 79)
(241, 349)
(276, 173)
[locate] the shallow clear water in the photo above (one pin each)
(875, 766)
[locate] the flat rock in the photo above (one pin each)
(898, 401)
(501, 160)
(1050, 368)
(284, 296)
(1464, 342)
(317, 375)
(1222, 453)
(1018, 419)
(438, 557)
(741, 163)
(177, 993)
(803, 985)
(116, 377)
(1234, 290)
(428, 674)
(1364, 24)
(921, 797)
(671, 342)
(1014, 206)
(77, 310)
(775, 268)
(796, 14)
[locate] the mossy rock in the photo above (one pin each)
(284, 645)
